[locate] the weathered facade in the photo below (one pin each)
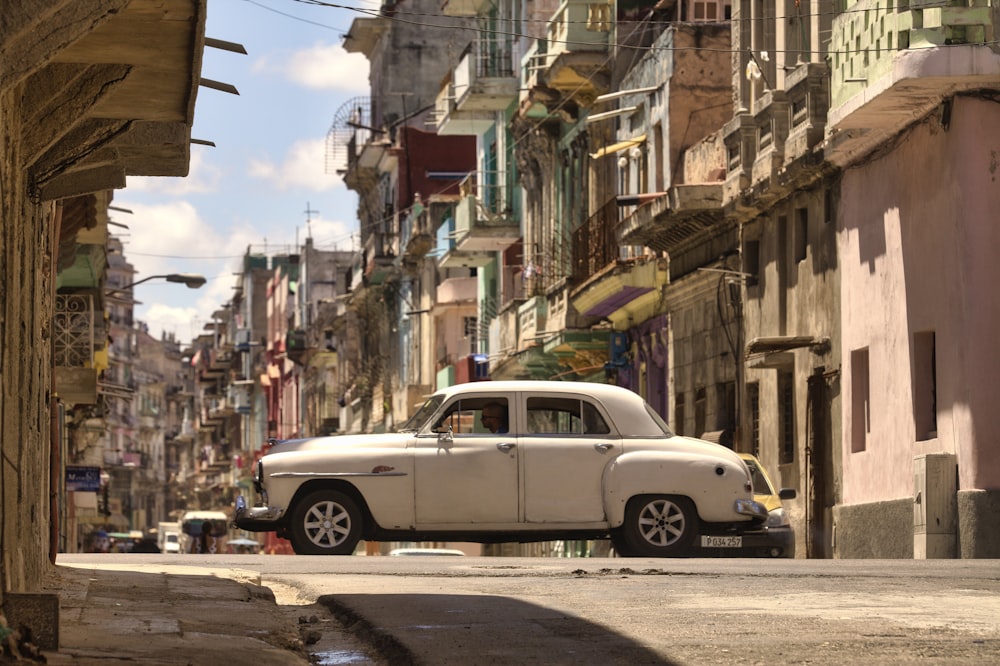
(89, 93)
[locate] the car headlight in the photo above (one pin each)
(777, 518)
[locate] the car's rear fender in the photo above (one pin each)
(712, 483)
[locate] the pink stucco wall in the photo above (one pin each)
(919, 240)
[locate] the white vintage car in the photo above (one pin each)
(560, 460)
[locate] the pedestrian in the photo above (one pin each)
(205, 540)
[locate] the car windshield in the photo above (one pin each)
(760, 484)
(424, 413)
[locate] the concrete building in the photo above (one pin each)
(89, 93)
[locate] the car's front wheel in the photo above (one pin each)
(325, 522)
(659, 526)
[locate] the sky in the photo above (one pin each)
(264, 186)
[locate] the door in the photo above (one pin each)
(566, 446)
(465, 474)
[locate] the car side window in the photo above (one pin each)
(593, 422)
(479, 416)
(564, 416)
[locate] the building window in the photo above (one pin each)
(470, 326)
(725, 395)
(753, 404)
(709, 10)
(925, 385)
(786, 417)
(801, 233)
(751, 261)
(679, 413)
(699, 412)
(860, 401)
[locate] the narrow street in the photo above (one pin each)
(629, 611)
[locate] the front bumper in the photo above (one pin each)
(256, 518)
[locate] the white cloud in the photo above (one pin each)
(304, 166)
(183, 322)
(329, 67)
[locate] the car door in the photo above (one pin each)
(465, 474)
(565, 448)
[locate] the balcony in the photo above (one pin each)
(685, 215)
(624, 291)
(456, 291)
(483, 83)
(771, 118)
(364, 34)
(575, 59)
(483, 225)
(465, 8)
(595, 243)
(891, 65)
(418, 237)
(808, 93)
(73, 326)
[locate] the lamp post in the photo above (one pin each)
(192, 280)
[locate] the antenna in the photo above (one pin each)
(309, 212)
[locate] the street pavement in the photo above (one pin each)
(339, 611)
(179, 615)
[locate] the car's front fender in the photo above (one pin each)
(712, 483)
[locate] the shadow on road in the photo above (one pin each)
(480, 629)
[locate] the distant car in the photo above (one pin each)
(775, 538)
(403, 552)
(171, 543)
(550, 460)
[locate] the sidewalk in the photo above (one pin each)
(181, 617)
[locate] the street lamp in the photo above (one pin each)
(192, 280)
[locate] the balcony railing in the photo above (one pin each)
(595, 243)
(891, 63)
(484, 221)
(576, 48)
(73, 328)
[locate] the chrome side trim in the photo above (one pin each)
(286, 475)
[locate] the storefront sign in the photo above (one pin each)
(83, 479)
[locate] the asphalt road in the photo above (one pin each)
(450, 610)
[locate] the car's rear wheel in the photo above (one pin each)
(660, 526)
(325, 522)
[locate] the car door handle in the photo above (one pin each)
(604, 448)
(505, 446)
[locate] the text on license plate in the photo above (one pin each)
(721, 541)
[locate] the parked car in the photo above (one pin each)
(775, 538)
(407, 552)
(577, 461)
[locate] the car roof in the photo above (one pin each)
(606, 391)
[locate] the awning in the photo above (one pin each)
(618, 147)
(784, 343)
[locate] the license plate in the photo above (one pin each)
(721, 541)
